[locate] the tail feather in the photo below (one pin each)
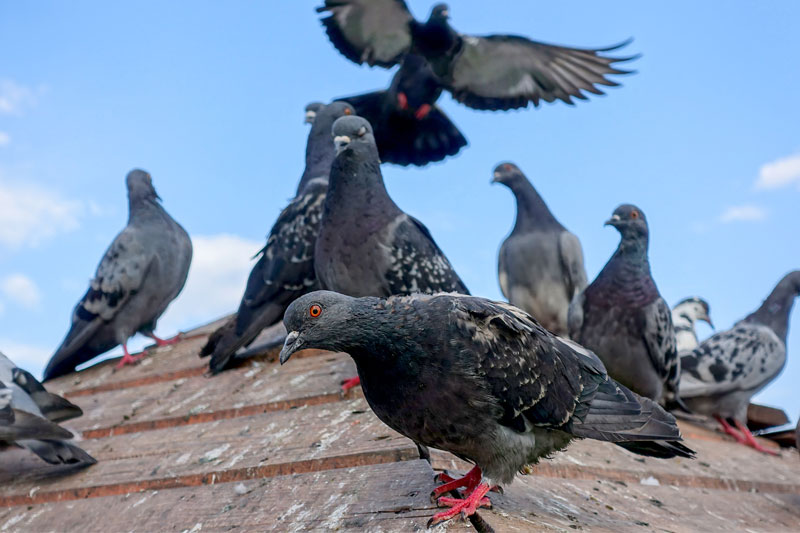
(25, 425)
(58, 452)
(53, 407)
(225, 342)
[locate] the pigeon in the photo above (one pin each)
(495, 72)
(143, 270)
(285, 268)
(719, 377)
(622, 317)
(29, 417)
(480, 379)
(684, 315)
(368, 246)
(410, 129)
(540, 264)
(311, 111)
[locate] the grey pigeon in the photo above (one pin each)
(480, 379)
(622, 317)
(29, 416)
(719, 377)
(410, 129)
(494, 72)
(684, 315)
(311, 111)
(141, 273)
(368, 246)
(540, 264)
(285, 268)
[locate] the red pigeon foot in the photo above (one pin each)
(729, 430)
(128, 359)
(423, 111)
(465, 507)
(166, 342)
(402, 100)
(750, 440)
(469, 482)
(350, 383)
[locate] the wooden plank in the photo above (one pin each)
(388, 498)
(255, 388)
(312, 438)
(763, 417)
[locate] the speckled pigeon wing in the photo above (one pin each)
(417, 264)
(744, 358)
(659, 339)
(500, 72)
(375, 32)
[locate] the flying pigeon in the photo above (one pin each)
(480, 379)
(719, 377)
(540, 264)
(368, 246)
(495, 72)
(622, 317)
(684, 315)
(410, 129)
(285, 268)
(142, 271)
(29, 416)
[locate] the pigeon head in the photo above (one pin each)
(311, 111)
(351, 131)
(140, 186)
(507, 173)
(316, 320)
(629, 221)
(439, 13)
(694, 309)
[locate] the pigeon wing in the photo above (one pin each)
(659, 340)
(571, 254)
(500, 72)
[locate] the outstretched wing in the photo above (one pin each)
(368, 31)
(418, 264)
(659, 339)
(744, 358)
(500, 72)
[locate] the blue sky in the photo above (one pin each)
(209, 98)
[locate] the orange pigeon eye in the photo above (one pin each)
(634, 214)
(314, 311)
(347, 111)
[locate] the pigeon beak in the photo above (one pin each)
(496, 178)
(310, 116)
(290, 345)
(341, 142)
(707, 320)
(613, 221)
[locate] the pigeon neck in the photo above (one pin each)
(774, 312)
(320, 151)
(356, 192)
(683, 323)
(143, 208)
(532, 212)
(626, 279)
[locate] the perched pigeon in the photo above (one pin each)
(29, 416)
(142, 271)
(480, 379)
(496, 72)
(622, 317)
(719, 377)
(285, 268)
(368, 246)
(684, 315)
(410, 129)
(311, 111)
(540, 264)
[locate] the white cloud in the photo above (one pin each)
(742, 213)
(5, 138)
(15, 98)
(30, 214)
(220, 266)
(21, 290)
(779, 173)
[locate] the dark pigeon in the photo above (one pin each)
(410, 129)
(142, 272)
(480, 379)
(29, 416)
(540, 264)
(495, 72)
(368, 246)
(719, 377)
(684, 315)
(311, 111)
(623, 319)
(285, 268)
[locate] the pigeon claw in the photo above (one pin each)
(470, 480)
(402, 100)
(167, 342)
(466, 507)
(129, 359)
(422, 111)
(751, 441)
(350, 383)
